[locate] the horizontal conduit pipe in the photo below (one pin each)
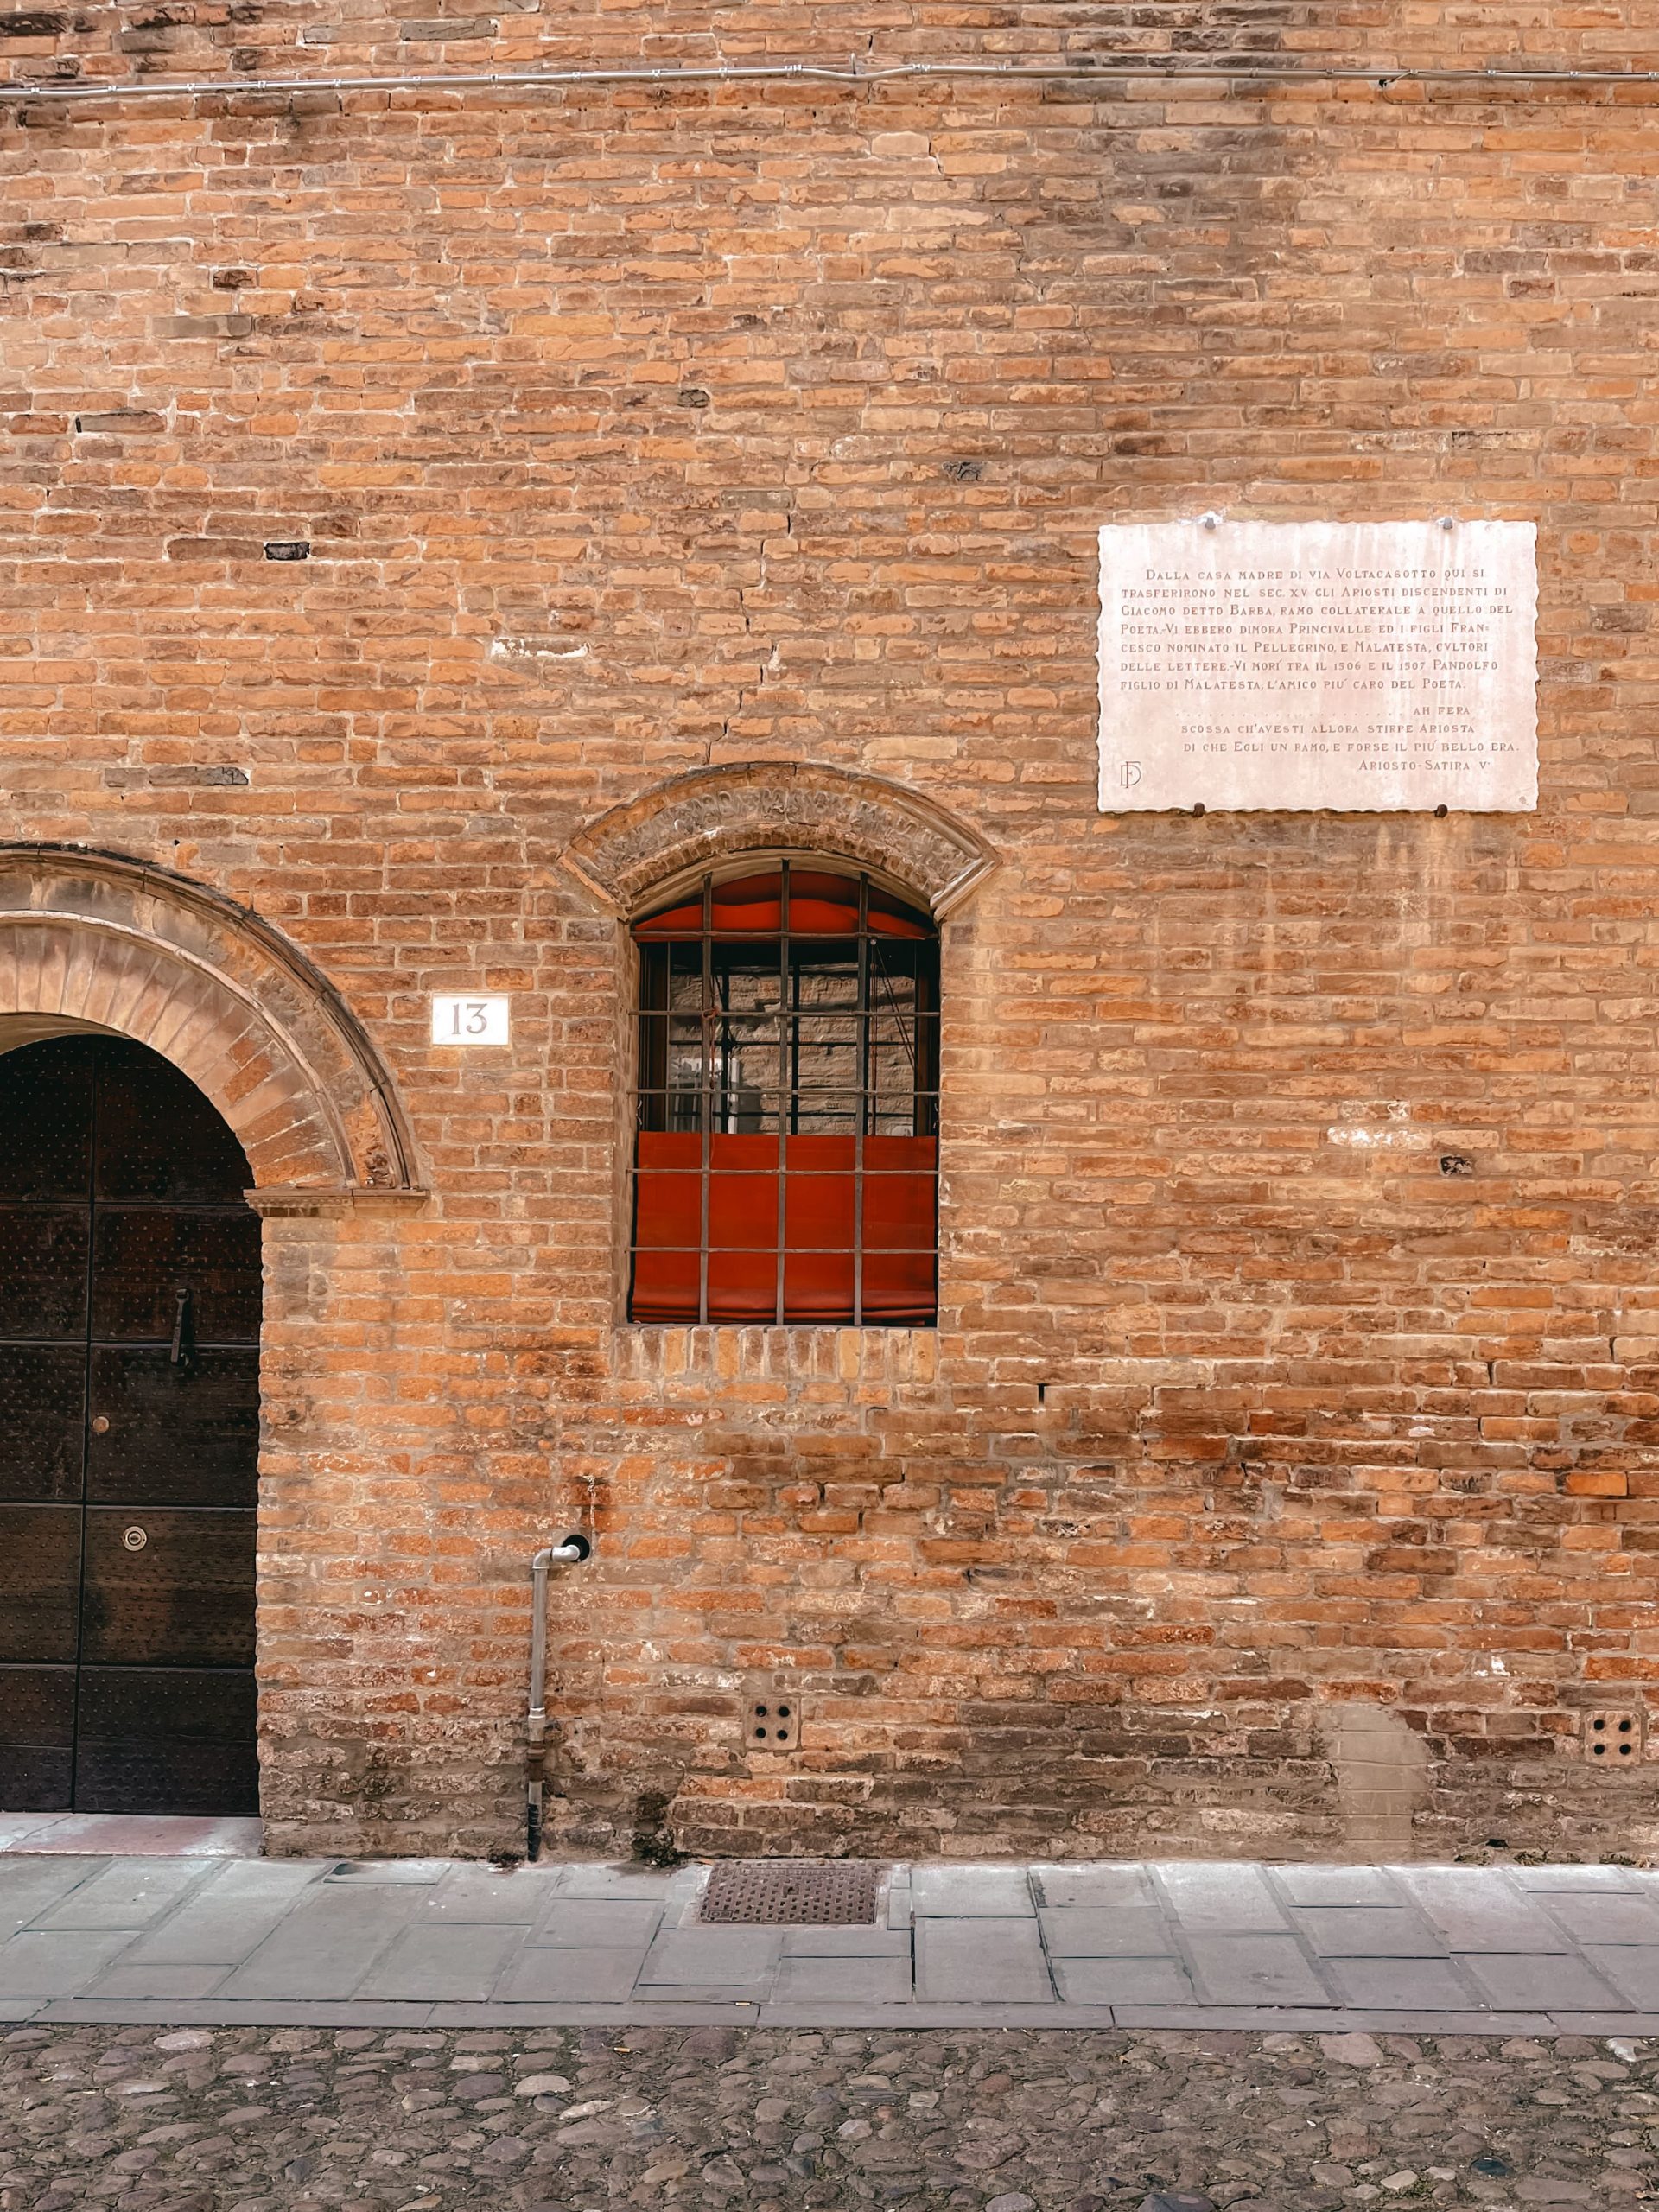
(1147, 68)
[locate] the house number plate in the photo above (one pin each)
(470, 1021)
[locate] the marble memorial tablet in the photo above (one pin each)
(1360, 666)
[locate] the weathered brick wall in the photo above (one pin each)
(1264, 1485)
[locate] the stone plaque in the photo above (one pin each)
(1361, 666)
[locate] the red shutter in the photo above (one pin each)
(819, 1219)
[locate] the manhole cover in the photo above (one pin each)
(791, 1892)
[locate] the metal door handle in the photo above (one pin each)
(180, 1324)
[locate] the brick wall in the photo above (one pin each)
(1265, 1486)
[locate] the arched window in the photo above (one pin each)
(786, 1160)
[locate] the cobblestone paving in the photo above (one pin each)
(239, 2120)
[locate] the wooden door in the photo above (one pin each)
(130, 1293)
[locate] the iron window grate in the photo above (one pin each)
(786, 1105)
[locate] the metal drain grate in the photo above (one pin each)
(793, 1892)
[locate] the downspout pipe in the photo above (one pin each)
(570, 1551)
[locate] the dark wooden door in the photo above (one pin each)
(129, 1434)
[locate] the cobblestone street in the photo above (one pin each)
(238, 2119)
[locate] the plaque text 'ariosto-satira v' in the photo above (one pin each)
(1358, 666)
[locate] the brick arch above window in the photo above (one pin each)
(695, 821)
(92, 941)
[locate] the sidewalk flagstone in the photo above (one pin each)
(845, 1980)
(598, 1923)
(1122, 1982)
(39, 1963)
(1549, 1982)
(971, 1892)
(981, 1961)
(441, 1963)
(1092, 1888)
(1083, 1932)
(1606, 1919)
(1221, 1900)
(29, 1887)
(1411, 1985)
(724, 1957)
(126, 1893)
(478, 1896)
(1339, 1885)
(1632, 1969)
(1367, 1932)
(570, 1977)
(327, 1944)
(1254, 1970)
(1482, 1917)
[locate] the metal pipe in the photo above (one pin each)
(571, 1550)
(1150, 68)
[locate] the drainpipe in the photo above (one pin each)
(572, 1551)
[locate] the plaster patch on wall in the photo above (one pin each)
(1382, 1775)
(528, 652)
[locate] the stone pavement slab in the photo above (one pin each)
(1604, 1916)
(434, 1964)
(231, 1914)
(127, 1893)
(514, 1895)
(1366, 1932)
(627, 1882)
(569, 1977)
(1329, 1885)
(1482, 1916)
(1095, 1887)
(598, 1923)
(1411, 1985)
(1123, 1981)
(1549, 1981)
(992, 1961)
(1569, 1877)
(722, 1957)
(1225, 1900)
(42, 1962)
(1631, 1969)
(1132, 1931)
(1193, 1943)
(29, 1887)
(327, 1944)
(1254, 1970)
(803, 1980)
(971, 1892)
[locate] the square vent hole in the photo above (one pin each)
(1614, 1739)
(773, 1719)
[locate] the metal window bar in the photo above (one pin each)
(788, 1013)
(706, 1116)
(863, 1034)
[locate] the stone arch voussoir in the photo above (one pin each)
(100, 941)
(694, 820)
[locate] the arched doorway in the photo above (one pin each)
(130, 1302)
